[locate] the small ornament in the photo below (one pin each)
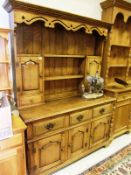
(93, 86)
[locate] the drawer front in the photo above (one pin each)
(30, 99)
(49, 125)
(123, 103)
(101, 110)
(11, 142)
(81, 116)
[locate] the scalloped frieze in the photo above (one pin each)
(49, 21)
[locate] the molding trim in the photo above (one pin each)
(118, 3)
(51, 17)
(49, 21)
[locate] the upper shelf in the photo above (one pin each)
(63, 56)
(63, 77)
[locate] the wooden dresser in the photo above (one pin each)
(12, 150)
(117, 61)
(53, 52)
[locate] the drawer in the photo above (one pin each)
(11, 142)
(49, 125)
(30, 99)
(101, 110)
(123, 103)
(81, 116)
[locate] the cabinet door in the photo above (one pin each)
(100, 131)
(78, 140)
(12, 162)
(122, 117)
(29, 79)
(47, 153)
(94, 65)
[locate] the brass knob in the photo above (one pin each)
(80, 118)
(102, 110)
(50, 126)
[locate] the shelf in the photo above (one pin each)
(120, 45)
(117, 65)
(6, 88)
(94, 56)
(64, 56)
(63, 77)
(4, 62)
(115, 87)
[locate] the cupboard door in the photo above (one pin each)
(100, 131)
(12, 162)
(29, 79)
(93, 65)
(78, 140)
(48, 153)
(122, 117)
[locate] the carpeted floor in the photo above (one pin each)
(117, 164)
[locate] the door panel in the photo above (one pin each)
(12, 162)
(78, 140)
(100, 130)
(121, 117)
(29, 76)
(53, 147)
(48, 152)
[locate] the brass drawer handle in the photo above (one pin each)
(87, 130)
(80, 118)
(102, 110)
(50, 126)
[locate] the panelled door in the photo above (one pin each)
(122, 116)
(100, 131)
(47, 153)
(78, 140)
(29, 79)
(12, 162)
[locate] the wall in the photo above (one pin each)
(89, 8)
(4, 22)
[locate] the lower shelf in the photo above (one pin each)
(63, 77)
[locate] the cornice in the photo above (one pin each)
(10, 5)
(116, 3)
